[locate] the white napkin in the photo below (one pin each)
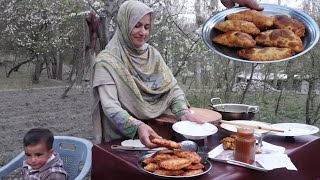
(271, 156)
(275, 160)
(268, 148)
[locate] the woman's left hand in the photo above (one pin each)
(190, 116)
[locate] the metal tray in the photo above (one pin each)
(207, 166)
(309, 40)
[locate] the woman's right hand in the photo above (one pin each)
(145, 132)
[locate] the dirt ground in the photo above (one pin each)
(24, 106)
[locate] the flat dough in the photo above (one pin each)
(280, 38)
(286, 22)
(258, 18)
(238, 25)
(235, 39)
(266, 54)
(132, 143)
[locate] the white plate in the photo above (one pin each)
(233, 128)
(294, 129)
(194, 131)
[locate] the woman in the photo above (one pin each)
(131, 81)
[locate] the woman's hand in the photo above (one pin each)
(190, 116)
(252, 4)
(145, 132)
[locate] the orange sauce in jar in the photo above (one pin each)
(245, 146)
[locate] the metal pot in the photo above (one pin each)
(234, 111)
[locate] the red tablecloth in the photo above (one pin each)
(303, 151)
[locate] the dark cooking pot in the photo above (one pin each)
(234, 111)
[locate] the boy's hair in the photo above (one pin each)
(38, 135)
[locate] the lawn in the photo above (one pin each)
(291, 107)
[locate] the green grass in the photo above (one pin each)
(291, 107)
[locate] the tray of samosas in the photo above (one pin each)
(174, 163)
(278, 33)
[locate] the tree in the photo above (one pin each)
(35, 27)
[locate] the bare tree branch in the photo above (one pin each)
(170, 15)
(16, 68)
(248, 83)
(186, 57)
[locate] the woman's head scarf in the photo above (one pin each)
(130, 12)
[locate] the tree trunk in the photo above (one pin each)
(74, 65)
(37, 70)
(308, 102)
(199, 20)
(265, 82)
(110, 10)
(48, 68)
(275, 78)
(59, 66)
(103, 32)
(290, 76)
(227, 81)
(81, 63)
(248, 83)
(278, 101)
(59, 61)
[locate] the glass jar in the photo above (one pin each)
(245, 143)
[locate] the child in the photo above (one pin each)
(41, 162)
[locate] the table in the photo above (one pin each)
(303, 151)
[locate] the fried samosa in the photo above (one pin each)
(280, 38)
(235, 39)
(260, 19)
(166, 143)
(151, 167)
(166, 172)
(286, 22)
(190, 155)
(175, 164)
(266, 53)
(192, 172)
(195, 166)
(161, 157)
(238, 25)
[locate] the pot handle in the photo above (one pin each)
(255, 109)
(212, 99)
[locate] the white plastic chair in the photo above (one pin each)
(75, 153)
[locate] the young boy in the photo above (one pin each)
(41, 162)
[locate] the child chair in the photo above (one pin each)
(75, 153)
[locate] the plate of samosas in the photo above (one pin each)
(174, 163)
(278, 33)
